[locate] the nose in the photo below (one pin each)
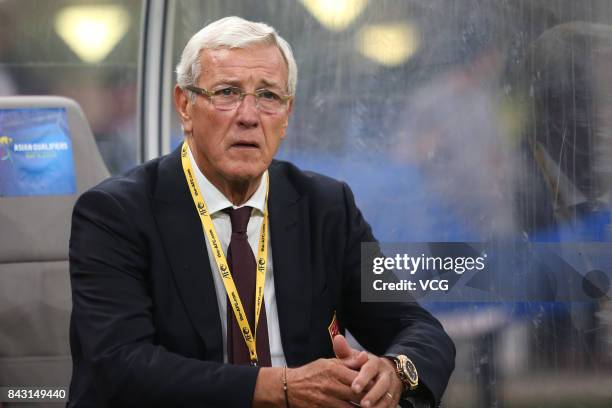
(248, 115)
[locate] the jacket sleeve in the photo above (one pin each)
(112, 326)
(386, 328)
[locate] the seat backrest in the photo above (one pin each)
(35, 211)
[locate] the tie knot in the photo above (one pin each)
(240, 218)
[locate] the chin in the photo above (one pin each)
(245, 172)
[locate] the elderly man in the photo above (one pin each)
(217, 277)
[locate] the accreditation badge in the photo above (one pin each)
(333, 328)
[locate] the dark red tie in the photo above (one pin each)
(242, 265)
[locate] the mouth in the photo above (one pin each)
(245, 145)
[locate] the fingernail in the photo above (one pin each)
(357, 388)
(366, 404)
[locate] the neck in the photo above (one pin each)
(238, 191)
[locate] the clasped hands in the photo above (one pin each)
(351, 378)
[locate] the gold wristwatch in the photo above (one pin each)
(406, 371)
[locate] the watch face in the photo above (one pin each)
(409, 370)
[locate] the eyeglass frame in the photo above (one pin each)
(211, 94)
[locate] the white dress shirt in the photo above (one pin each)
(216, 202)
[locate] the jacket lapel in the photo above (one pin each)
(291, 259)
(182, 236)
(183, 239)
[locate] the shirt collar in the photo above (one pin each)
(216, 201)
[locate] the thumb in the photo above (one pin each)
(350, 357)
(341, 347)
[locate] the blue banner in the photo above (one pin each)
(35, 153)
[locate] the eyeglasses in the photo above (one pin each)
(231, 97)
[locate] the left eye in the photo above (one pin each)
(268, 95)
(226, 92)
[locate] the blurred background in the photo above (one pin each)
(452, 120)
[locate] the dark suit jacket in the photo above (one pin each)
(145, 328)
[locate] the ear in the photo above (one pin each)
(289, 110)
(183, 108)
(289, 107)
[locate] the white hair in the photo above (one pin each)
(231, 32)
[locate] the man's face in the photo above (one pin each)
(236, 145)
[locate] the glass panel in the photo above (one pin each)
(87, 51)
(471, 121)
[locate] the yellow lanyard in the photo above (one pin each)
(221, 261)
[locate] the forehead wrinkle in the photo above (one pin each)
(269, 83)
(220, 61)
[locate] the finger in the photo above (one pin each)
(341, 347)
(367, 373)
(349, 356)
(378, 392)
(356, 361)
(342, 392)
(359, 360)
(387, 401)
(344, 374)
(340, 382)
